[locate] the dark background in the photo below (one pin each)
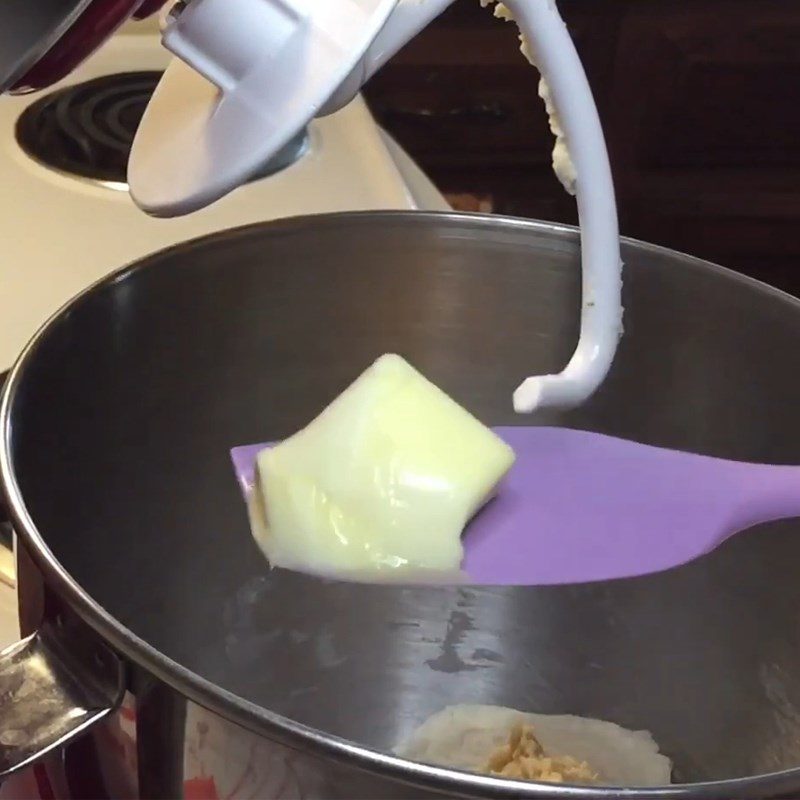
(700, 100)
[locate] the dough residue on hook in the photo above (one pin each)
(563, 165)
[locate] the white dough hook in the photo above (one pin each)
(601, 310)
(252, 73)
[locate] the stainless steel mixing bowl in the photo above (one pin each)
(116, 426)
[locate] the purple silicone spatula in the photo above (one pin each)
(581, 506)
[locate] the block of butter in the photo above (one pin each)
(381, 484)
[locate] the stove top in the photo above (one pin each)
(86, 130)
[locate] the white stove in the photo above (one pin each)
(65, 215)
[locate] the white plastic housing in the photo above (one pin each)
(251, 74)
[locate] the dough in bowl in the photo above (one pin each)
(469, 737)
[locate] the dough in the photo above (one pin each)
(465, 737)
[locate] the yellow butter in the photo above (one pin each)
(381, 484)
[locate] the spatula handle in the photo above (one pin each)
(765, 493)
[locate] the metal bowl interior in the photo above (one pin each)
(119, 418)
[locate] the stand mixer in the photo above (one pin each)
(250, 74)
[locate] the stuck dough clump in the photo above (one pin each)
(523, 758)
(563, 165)
(510, 743)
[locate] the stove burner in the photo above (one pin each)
(86, 130)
